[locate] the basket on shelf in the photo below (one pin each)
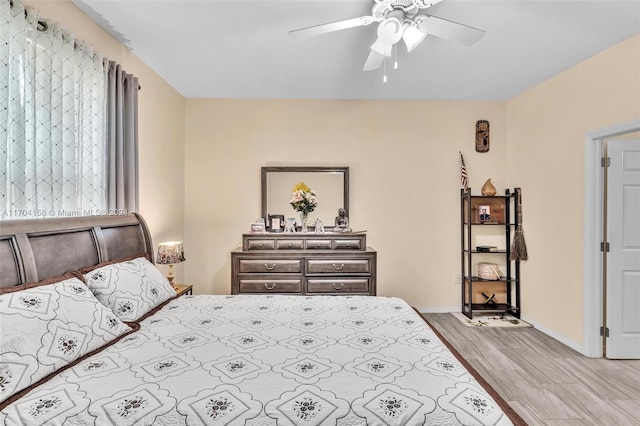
(488, 271)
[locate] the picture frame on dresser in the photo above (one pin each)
(257, 227)
(276, 223)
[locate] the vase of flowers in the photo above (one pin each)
(304, 220)
(304, 201)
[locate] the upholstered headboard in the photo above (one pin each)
(35, 249)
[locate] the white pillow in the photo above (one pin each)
(46, 326)
(130, 288)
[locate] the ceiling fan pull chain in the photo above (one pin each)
(395, 56)
(384, 68)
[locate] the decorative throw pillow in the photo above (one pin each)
(45, 326)
(131, 288)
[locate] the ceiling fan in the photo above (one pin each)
(399, 20)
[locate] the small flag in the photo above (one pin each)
(464, 184)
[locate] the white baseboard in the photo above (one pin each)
(557, 336)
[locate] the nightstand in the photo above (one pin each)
(182, 289)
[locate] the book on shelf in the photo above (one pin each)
(487, 249)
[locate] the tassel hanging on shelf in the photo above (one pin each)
(518, 246)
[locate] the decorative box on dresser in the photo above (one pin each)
(304, 263)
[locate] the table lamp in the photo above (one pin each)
(170, 253)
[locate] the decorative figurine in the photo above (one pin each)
(319, 226)
(488, 189)
(482, 136)
(342, 221)
(290, 225)
(489, 300)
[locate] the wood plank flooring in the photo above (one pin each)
(546, 382)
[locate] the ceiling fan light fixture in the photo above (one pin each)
(390, 30)
(412, 37)
(398, 19)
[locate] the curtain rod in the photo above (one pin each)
(42, 25)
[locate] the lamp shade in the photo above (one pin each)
(170, 252)
(412, 37)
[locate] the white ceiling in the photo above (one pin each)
(241, 49)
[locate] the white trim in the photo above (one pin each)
(593, 226)
(559, 337)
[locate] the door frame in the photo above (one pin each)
(593, 229)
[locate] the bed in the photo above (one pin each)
(93, 335)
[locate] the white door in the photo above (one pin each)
(623, 258)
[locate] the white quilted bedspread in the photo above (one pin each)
(267, 360)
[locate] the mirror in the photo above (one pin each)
(330, 184)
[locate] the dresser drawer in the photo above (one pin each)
(318, 245)
(330, 263)
(260, 244)
(270, 266)
(338, 285)
(271, 286)
(289, 244)
(345, 244)
(340, 266)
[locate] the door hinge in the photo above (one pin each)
(604, 247)
(604, 331)
(605, 161)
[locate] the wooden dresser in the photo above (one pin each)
(310, 263)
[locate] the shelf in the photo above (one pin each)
(488, 223)
(482, 280)
(486, 252)
(491, 197)
(504, 217)
(500, 307)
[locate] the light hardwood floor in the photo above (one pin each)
(545, 381)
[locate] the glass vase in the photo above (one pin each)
(304, 218)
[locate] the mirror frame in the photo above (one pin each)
(266, 170)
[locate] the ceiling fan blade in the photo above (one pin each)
(374, 61)
(449, 30)
(332, 26)
(381, 47)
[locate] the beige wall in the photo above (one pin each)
(404, 173)
(161, 125)
(546, 132)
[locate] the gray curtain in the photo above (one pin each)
(122, 139)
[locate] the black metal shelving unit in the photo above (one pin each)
(471, 226)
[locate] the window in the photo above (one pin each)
(55, 144)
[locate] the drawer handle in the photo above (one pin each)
(270, 268)
(338, 268)
(270, 287)
(260, 245)
(337, 286)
